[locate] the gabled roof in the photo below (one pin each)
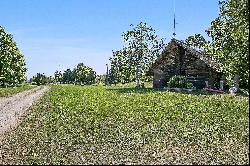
(197, 53)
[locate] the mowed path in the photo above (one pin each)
(13, 108)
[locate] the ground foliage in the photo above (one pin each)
(12, 90)
(178, 81)
(99, 125)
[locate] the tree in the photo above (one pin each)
(84, 74)
(58, 76)
(68, 76)
(114, 70)
(100, 79)
(121, 70)
(40, 79)
(12, 64)
(81, 74)
(229, 45)
(50, 79)
(141, 49)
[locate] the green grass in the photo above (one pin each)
(98, 125)
(132, 84)
(12, 90)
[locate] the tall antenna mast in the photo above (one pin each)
(174, 20)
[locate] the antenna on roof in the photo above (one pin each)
(174, 20)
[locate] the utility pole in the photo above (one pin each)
(107, 75)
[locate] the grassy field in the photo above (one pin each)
(119, 125)
(10, 91)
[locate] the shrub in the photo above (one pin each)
(190, 85)
(178, 81)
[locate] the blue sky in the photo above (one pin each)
(59, 34)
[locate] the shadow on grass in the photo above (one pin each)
(136, 90)
(153, 90)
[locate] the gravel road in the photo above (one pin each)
(14, 107)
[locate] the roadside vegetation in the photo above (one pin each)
(13, 90)
(99, 125)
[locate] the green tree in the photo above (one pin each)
(141, 49)
(100, 79)
(58, 76)
(68, 76)
(40, 79)
(229, 45)
(50, 79)
(114, 71)
(84, 74)
(12, 64)
(121, 70)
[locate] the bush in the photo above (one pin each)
(179, 82)
(190, 85)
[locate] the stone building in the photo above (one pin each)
(180, 59)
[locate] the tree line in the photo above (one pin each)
(81, 75)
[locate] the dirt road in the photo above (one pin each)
(14, 107)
